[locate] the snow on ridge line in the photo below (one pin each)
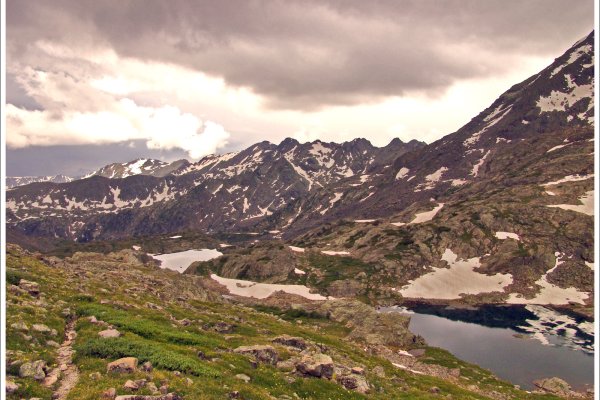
(263, 290)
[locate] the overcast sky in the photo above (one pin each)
(93, 82)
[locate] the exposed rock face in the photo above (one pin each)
(264, 354)
(123, 365)
(317, 365)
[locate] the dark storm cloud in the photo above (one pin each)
(306, 54)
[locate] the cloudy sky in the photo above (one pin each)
(96, 81)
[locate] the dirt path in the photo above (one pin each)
(66, 372)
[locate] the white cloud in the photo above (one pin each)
(95, 97)
(163, 128)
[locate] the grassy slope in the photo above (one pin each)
(151, 334)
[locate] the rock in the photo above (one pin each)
(20, 326)
(109, 394)
(40, 328)
(93, 319)
(234, 395)
(164, 389)
(152, 387)
(358, 370)
(417, 352)
(201, 355)
(317, 365)
(554, 385)
(33, 288)
(11, 387)
(291, 341)
(131, 385)
(354, 382)
(262, 353)
(52, 343)
(434, 389)
(189, 382)
(35, 370)
(123, 365)
(243, 377)
(147, 366)
(185, 322)
(109, 333)
(153, 306)
(223, 327)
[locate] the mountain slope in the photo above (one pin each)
(14, 181)
(224, 192)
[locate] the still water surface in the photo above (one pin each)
(518, 344)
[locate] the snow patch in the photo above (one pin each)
(586, 206)
(507, 235)
(459, 279)
(263, 290)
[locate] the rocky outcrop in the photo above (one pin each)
(261, 353)
(367, 324)
(316, 365)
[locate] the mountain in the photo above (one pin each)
(218, 193)
(500, 211)
(14, 181)
(142, 166)
(507, 200)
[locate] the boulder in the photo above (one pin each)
(291, 341)
(109, 393)
(147, 366)
(317, 365)
(20, 326)
(243, 377)
(109, 333)
(33, 288)
(36, 370)
(354, 382)
(41, 328)
(11, 387)
(554, 385)
(130, 385)
(262, 353)
(123, 365)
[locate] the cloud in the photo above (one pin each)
(162, 128)
(306, 55)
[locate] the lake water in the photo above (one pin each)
(517, 343)
(181, 260)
